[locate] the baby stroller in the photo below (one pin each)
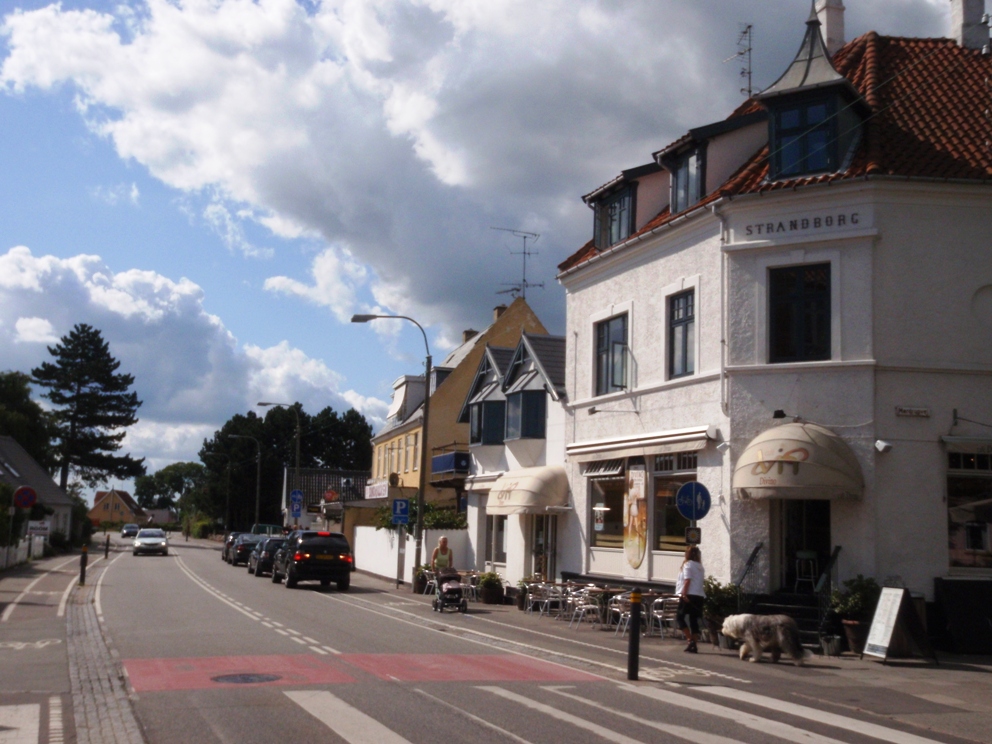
(449, 591)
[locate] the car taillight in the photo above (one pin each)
(346, 558)
(300, 556)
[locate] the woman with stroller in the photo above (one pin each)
(442, 557)
(689, 587)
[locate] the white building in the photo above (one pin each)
(520, 520)
(793, 306)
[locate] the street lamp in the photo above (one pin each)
(423, 434)
(258, 470)
(295, 410)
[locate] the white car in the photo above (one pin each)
(151, 541)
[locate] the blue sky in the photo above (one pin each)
(219, 184)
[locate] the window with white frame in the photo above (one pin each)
(799, 316)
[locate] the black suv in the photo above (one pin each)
(314, 556)
(242, 547)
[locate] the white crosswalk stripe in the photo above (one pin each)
(344, 720)
(20, 724)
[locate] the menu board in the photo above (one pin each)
(884, 622)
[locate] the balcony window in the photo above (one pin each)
(487, 423)
(526, 413)
(611, 355)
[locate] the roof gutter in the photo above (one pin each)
(642, 237)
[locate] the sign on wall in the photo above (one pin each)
(635, 516)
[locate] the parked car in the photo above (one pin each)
(242, 547)
(260, 560)
(314, 556)
(151, 541)
(129, 530)
(225, 553)
(268, 529)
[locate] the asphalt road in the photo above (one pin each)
(371, 665)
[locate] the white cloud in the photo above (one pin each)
(190, 372)
(34, 331)
(114, 195)
(229, 229)
(336, 275)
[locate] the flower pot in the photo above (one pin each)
(491, 594)
(419, 584)
(857, 635)
(832, 645)
(521, 599)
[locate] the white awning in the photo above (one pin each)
(798, 461)
(529, 491)
(642, 445)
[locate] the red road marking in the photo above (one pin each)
(156, 675)
(464, 668)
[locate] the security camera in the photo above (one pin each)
(882, 446)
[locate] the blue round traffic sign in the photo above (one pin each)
(693, 500)
(25, 497)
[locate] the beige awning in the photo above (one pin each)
(642, 445)
(798, 461)
(529, 491)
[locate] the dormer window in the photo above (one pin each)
(687, 180)
(804, 139)
(614, 218)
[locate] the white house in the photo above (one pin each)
(793, 306)
(520, 519)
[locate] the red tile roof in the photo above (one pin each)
(928, 101)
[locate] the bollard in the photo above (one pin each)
(82, 565)
(106, 548)
(634, 647)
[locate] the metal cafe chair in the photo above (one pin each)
(584, 605)
(663, 613)
(431, 587)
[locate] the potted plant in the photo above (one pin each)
(490, 588)
(420, 579)
(522, 592)
(854, 605)
(720, 603)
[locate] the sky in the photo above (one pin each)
(218, 185)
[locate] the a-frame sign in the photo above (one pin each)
(895, 608)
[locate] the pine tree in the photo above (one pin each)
(93, 407)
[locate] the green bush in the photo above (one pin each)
(489, 579)
(857, 600)
(721, 599)
(202, 528)
(58, 541)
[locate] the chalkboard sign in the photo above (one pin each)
(895, 608)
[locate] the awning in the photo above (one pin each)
(529, 491)
(642, 445)
(798, 461)
(968, 445)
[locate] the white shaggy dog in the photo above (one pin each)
(777, 634)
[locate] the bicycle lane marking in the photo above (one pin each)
(9, 610)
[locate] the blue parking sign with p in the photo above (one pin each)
(401, 511)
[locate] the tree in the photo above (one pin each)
(24, 420)
(94, 406)
(175, 482)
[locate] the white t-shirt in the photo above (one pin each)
(691, 575)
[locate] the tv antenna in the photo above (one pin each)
(744, 39)
(520, 288)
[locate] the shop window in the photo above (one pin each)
(682, 334)
(526, 414)
(499, 522)
(487, 422)
(671, 472)
(611, 355)
(799, 313)
(613, 218)
(969, 510)
(607, 512)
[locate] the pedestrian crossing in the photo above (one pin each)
(601, 721)
(25, 723)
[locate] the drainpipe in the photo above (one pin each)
(724, 406)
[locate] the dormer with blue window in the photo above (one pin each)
(485, 406)
(536, 372)
(815, 114)
(616, 205)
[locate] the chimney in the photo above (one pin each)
(468, 335)
(969, 24)
(498, 311)
(831, 16)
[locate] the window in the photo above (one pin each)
(416, 451)
(607, 512)
(526, 414)
(611, 355)
(799, 313)
(614, 218)
(969, 509)
(687, 180)
(500, 524)
(670, 473)
(682, 334)
(487, 422)
(804, 139)
(408, 445)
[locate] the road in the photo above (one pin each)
(214, 654)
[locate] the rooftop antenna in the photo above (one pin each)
(520, 288)
(744, 38)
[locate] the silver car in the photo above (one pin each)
(151, 541)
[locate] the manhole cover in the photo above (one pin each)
(245, 679)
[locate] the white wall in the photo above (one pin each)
(376, 550)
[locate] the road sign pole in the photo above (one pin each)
(400, 554)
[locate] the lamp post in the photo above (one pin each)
(295, 410)
(419, 529)
(258, 470)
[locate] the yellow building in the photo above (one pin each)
(116, 507)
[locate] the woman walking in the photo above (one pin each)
(689, 587)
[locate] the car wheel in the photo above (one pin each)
(258, 574)
(463, 607)
(290, 580)
(275, 575)
(325, 582)
(344, 583)
(250, 569)
(134, 552)
(165, 552)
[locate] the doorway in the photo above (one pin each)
(804, 542)
(544, 546)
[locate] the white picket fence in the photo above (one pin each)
(14, 554)
(376, 550)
